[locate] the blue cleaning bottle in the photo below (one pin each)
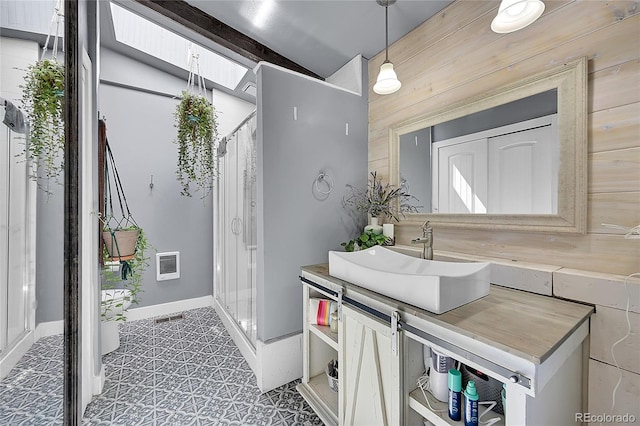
(471, 404)
(455, 394)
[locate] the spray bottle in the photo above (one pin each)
(455, 388)
(471, 404)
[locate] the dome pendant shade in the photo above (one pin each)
(387, 81)
(513, 15)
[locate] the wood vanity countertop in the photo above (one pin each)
(530, 325)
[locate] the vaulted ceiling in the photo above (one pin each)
(315, 37)
(321, 35)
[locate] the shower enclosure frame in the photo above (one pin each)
(235, 239)
(20, 222)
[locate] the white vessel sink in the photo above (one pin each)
(432, 285)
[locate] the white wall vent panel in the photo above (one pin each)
(167, 266)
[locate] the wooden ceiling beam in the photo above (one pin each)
(221, 33)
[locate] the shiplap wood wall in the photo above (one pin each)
(454, 56)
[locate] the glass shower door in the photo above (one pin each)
(237, 229)
(13, 249)
(247, 223)
(230, 229)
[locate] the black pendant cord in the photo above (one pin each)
(71, 397)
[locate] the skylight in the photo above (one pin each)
(148, 37)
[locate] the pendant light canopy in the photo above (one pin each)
(387, 81)
(513, 15)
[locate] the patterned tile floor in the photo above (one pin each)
(182, 372)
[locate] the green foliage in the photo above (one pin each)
(131, 271)
(196, 121)
(378, 199)
(42, 96)
(364, 241)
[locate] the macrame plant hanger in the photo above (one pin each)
(57, 18)
(124, 219)
(194, 74)
(201, 90)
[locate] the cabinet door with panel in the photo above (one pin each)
(369, 371)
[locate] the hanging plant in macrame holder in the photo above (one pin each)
(42, 97)
(197, 138)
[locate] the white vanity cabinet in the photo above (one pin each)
(320, 346)
(369, 387)
(536, 345)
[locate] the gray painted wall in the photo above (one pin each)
(295, 226)
(415, 167)
(49, 255)
(534, 106)
(140, 131)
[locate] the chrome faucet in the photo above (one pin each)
(426, 241)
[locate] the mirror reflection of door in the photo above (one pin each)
(511, 168)
(507, 170)
(461, 183)
(523, 173)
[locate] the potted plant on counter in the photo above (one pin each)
(366, 240)
(378, 199)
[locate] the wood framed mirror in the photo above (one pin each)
(508, 159)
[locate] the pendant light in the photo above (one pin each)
(387, 81)
(513, 15)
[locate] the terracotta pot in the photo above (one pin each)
(124, 243)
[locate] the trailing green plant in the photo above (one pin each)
(364, 241)
(130, 272)
(197, 139)
(379, 199)
(42, 96)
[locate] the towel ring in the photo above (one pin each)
(322, 177)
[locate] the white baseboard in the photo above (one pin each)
(49, 328)
(279, 361)
(9, 359)
(152, 311)
(239, 338)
